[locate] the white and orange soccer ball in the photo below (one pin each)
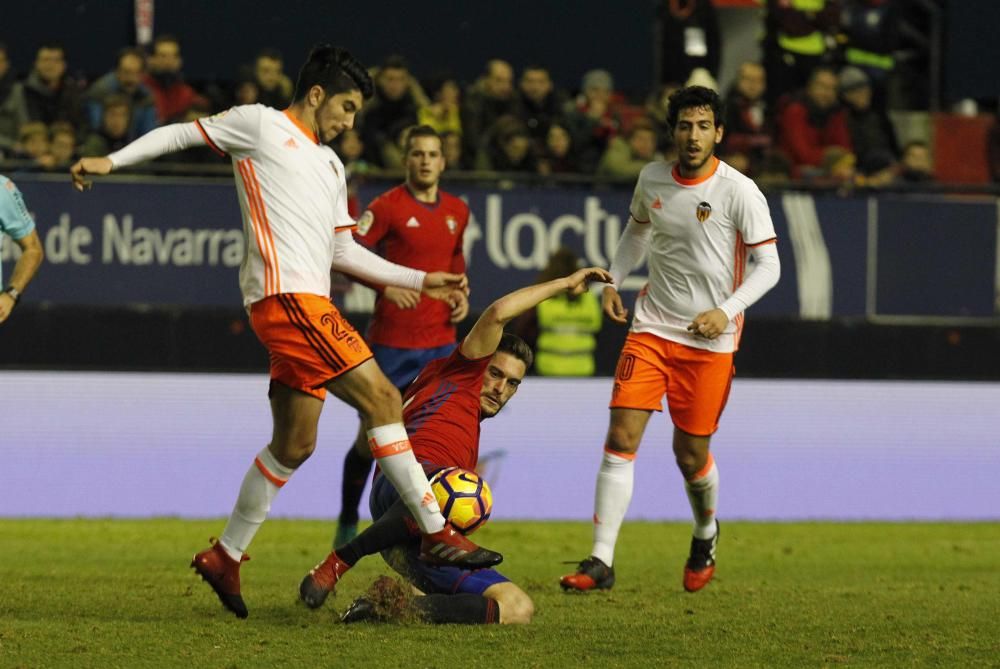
(464, 497)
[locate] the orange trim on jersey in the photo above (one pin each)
(302, 126)
(703, 472)
(259, 230)
(676, 173)
(276, 276)
(624, 456)
(255, 224)
(772, 240)
(739, 261)
(267, 226)
(268, 475)
(208, 140)
(347, 228)
(393, 448)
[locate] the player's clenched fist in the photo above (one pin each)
(85, 166)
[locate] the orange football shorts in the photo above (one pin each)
(309, 342)
(695, 381)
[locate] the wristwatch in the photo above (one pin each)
(14, 293)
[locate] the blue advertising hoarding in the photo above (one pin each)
(178, 242)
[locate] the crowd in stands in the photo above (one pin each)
(798, 116)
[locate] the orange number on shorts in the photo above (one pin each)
(336, 326)
(625, 367)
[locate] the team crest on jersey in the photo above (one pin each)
(365, 222)
(452, 224)
(703, 211)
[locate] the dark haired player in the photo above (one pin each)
(418, 225)
(700, 220)
(293, 198)
(443, 409)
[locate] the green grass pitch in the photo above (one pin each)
(119, 593)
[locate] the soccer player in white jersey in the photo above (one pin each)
(700, 219)
(293, 198)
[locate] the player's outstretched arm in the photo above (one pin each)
(153, 144)
(444, 285)
(485, 335)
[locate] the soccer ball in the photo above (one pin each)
(465, 499)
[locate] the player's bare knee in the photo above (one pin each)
(687, 463)
(516, 608)
(383, 405)
(292, 452)
(623, 440)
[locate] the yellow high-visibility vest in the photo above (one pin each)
(567, 335)
(813, 44)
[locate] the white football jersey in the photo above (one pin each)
(702, 232)
(293, 196)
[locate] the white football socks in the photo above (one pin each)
(391, 448)
(260, 485)
(703, 493)
(614, 492)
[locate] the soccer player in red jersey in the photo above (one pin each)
(442, 410)
(417, 225)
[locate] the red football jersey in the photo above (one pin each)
(441, 411)
(424, 236)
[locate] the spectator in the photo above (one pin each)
(443, 112)
(689, 38)
(50, 95)
(509, 149)
(245, 90)
(393, 109)
(33, 144)
(13, 113)
(274, 88)
(626, 156)
(113, 133)
(870, 28)
(799, 38)
(812, 122)
(451, 147)
(837, 167)
(541, 104)
(490, 98)
(173, 97)
(558, 156)
(701, 77)
(594, 121)
(872, 134)
(916, 166)
(993, 149)
(657, 105)
(62, 143)
(351, 149)
(125, 80)
(748, 121)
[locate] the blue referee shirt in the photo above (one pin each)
(14, 218)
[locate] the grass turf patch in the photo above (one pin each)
(119, 593)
